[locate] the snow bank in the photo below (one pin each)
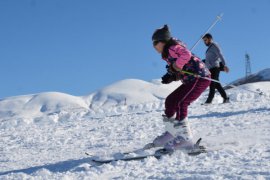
(130, 91)
(37, 105)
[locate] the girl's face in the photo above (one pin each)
(159, 47)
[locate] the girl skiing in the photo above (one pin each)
(181, 65)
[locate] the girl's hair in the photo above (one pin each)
(168, 44)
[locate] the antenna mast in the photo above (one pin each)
(248, 68)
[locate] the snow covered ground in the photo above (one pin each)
(45, 136)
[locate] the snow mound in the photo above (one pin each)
(55, 105)
(130, 91)
(39, 104)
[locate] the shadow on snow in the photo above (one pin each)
(227, 114)
(62, 166)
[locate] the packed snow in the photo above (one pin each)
(46, 135)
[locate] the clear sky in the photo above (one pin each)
(78, 47)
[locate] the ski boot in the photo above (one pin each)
(183, 136)
(161, 140)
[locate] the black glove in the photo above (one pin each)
(221, 66)
(168, 78)
(170, 69)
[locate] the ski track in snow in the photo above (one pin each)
(53, 147)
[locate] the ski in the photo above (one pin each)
(152, 146)
(136, 151)
(146, 147)
(158, 154)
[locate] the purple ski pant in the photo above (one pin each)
(179, 100)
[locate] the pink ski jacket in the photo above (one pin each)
(185, 61)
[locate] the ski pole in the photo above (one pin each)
(218, 18)
(231, 85)
(210, 27)
(260, 93)
(214, 80)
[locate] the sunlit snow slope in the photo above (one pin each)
(45, 136)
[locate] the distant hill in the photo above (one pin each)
(263, 75)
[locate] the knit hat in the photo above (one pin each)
(162, 34)
(208, 35)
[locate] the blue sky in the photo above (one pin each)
(78, 47)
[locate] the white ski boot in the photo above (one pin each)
(161, 140)
(183, 136)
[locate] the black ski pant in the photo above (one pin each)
(215, 85)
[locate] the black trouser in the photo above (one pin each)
(214, 85)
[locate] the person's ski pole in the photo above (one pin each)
(214, 80)
(210, 27)
(218, 18)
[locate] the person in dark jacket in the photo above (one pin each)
(215, 62)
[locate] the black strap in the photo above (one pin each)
(209, 47)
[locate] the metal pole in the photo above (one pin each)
(186, 72)
(212, 25)
(231, 85)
